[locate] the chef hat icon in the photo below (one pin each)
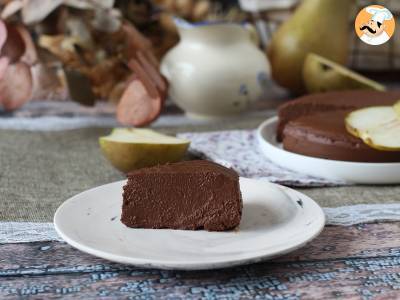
(379, 14)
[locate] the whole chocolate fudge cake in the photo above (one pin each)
(188, 195)
(332, 101)
(314, 125)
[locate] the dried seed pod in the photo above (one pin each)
(14, 46)
(34, 11)
(16, 86)
(19, 45)
(141, 102)
(184, 7)
(79, 87)
(134, 40)
(143, 76)
(167, 23)
(79, 31)
(117, 91)
(60, 46)
(46, 82)
(201, 10)
(137, 107)
(3, 34)
(4, 62)
(11, 8)
(106, 20)
(90, 4)
(154, 74)
(30, 55)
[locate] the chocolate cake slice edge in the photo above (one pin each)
(188, 195)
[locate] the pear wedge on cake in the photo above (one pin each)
(377, 126)
(396, 107)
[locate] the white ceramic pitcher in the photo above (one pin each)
(215, 70)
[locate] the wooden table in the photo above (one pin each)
(357, 262)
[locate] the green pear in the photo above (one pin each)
(130, 149)
(318, 26)
(322, 75)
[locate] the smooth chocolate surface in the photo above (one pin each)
(314, 125)
(186, 195)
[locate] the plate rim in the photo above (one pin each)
(319, 225)
(275, 119)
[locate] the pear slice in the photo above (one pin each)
(361, 120)
(396, 107)
(377, 126)
(322, 75)
(128, 149)
(385, 137)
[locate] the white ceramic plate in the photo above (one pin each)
(275, 220)
(351, 172)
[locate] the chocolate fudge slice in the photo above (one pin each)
(188, 195)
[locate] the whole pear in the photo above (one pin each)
(318, 26)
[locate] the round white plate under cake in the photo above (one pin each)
(275, 221)
(350, 172)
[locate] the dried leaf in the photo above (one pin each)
(3, 34)
(184, 7)
(90, 4)
(117, 92)
(34, 11)
(16, 86)
(11, 8)
(61, 47)
(14, 46)
(144, 77)
(30, 55)
(135, 40)
(106, 20)
(201, 10)
(105, 75)
(151, 58)
(45, 81)
(137, 107)
(79, 87)
(153, 73)
(78, 30)
(141, 102)
(51, 42)
(166, 21)
(3, 66)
